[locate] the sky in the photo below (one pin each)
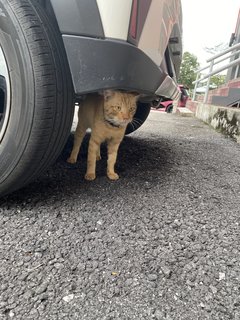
(207, 23)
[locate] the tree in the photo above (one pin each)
(217, 80)
(188, 69)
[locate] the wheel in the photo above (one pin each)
(170, 108)
(140, 116)
(36, 93)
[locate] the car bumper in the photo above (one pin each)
(98, 64)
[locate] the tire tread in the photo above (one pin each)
(53, 91)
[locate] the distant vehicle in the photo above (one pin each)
(163, 105)
(54, 52)
(166, 105)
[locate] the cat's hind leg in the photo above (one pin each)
(78, 138)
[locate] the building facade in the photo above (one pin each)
(234, 72)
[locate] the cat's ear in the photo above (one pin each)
(108, 94)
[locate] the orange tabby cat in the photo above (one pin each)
(108, 117)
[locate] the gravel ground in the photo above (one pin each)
(161, 243)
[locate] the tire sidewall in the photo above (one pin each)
(21, 77)
(170, 108)
(143, 110)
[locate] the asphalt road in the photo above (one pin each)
(161, 243)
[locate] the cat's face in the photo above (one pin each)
(119, 107)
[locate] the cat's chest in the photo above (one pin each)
(108, 132)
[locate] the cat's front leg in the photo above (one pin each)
(113, 146)
(93, 150)
(99, 153)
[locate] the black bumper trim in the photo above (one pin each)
(78, 17)
(97, 64)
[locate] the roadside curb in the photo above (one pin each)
(184, 112)
(223, 119)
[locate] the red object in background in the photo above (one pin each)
(164, 106)
(167, 105)
(184, 96)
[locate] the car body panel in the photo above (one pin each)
(108, 23)
(78, 17)
(115, 17)
(162, 16)
(93, 67)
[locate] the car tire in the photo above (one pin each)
(139, 118)
(170, 108)
(36, 93)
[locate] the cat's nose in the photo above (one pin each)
(125, 117)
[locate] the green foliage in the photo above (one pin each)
(217, 80)
(188, 69)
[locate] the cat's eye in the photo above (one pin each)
(132, 108)
(119, 108)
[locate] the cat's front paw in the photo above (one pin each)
(112, 176)
(71, 160)
(90, 176)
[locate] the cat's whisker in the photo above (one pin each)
(137, 122)
(132, 126)
(133, 123)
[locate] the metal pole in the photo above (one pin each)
(236, 56)
(231, 64)
(236, 46)
(236, 72)
(195, 87)
(208, 82)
